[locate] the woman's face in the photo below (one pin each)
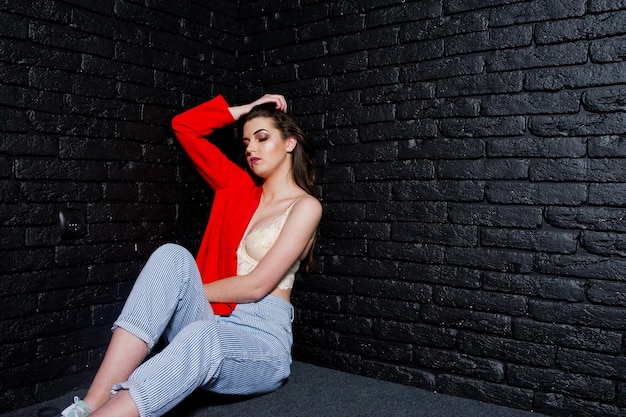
(266, 150)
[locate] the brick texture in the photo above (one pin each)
(87, 93)
(471, 164)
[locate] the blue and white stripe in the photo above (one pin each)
(248, 352)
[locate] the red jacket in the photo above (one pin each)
(236, 194)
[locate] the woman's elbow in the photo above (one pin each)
(258, 293)
(259, 288)
(177, 122)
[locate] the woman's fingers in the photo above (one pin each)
(278, 99)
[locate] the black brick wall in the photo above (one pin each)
(471, 165)
(87, 92)
(472, 159)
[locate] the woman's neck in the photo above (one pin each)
(278, 188)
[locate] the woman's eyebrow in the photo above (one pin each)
(260, 130)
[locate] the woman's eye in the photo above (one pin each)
(246, 142)
(262, 138)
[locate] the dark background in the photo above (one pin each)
(472, 165)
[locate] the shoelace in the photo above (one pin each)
(73, 408)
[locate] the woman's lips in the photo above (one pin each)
(254, 159)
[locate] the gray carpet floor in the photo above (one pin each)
(316, 391)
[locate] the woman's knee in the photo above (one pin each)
(172, 250)
(169, 262)
(173, 255)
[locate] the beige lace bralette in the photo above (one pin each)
(257, 242)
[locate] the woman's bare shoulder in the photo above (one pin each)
(308, 204)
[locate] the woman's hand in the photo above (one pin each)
(277, 99)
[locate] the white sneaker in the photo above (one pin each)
(78, 409)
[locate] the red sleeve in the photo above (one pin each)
(192, 126)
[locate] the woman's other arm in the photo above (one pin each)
(293, 242)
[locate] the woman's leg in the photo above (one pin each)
(167, 296)
(124, 354)
(246, 353)
(121, 405)
(191, 360)
(257, 343)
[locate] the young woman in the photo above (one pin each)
(226, 314)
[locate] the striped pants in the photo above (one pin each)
(248, 352)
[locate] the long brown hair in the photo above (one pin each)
(303, 168)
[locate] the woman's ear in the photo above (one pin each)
(291, 143)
